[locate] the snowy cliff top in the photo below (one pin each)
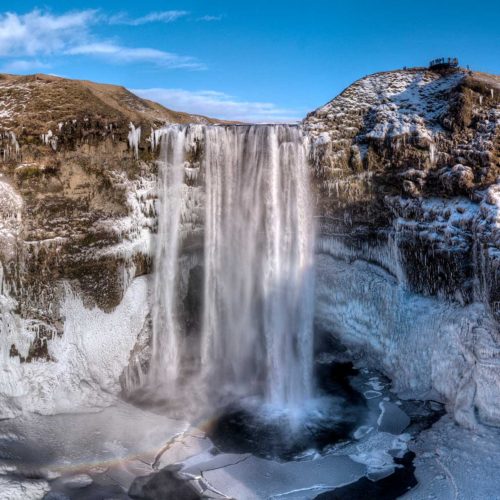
(393, 104)
(419, 132)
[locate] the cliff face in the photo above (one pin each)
(393, 148)
(77, 190)
(78, 169)
(407, 178)
(405, 169)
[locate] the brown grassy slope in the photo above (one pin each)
(39, 102)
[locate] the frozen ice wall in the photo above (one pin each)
(84, 363)
(431, 347)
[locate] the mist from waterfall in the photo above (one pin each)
(256, 328)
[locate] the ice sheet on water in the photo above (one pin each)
(392, 419)
(256, 478)
(55, 442)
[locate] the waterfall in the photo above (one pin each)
(256, 334)
(166, 331)
(258, 261)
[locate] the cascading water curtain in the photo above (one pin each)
(164, 369)
(259, 235)
(259, 241)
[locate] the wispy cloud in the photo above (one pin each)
(23, 66)
(166, 16)
(219, 105)
(27, 38)
(121, 54)
(210, 18)
(42, 33)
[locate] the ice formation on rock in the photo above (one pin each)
(11, 149)
(430, 347)
(134, 137)
(85, 361)
(50, 139)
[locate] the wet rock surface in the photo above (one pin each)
(163, 484)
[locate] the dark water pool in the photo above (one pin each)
(389, 488)
(332, 417)
(330, 420)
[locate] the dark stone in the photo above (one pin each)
(193, 303)
(162, 486)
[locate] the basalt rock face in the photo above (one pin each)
(77, 188)
(406, 167)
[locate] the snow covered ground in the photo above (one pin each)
(400, 103)
(454, 463)
(100, 453)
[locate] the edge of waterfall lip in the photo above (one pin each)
(270, 124)
(231, 125)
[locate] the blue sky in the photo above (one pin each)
(253, 60)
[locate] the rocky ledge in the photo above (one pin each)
(407, 178)
(77, 189)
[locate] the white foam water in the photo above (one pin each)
(258, 261)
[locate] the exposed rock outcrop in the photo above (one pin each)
(407, 173)
(77, 213)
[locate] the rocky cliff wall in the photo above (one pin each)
(78, 168)
(406, 166)
(405, 169)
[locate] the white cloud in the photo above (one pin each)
(39, 33)
(118, 53)
(219, 105)
(209, 18)
(23, 66)
(42, 33)
(167, 16)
